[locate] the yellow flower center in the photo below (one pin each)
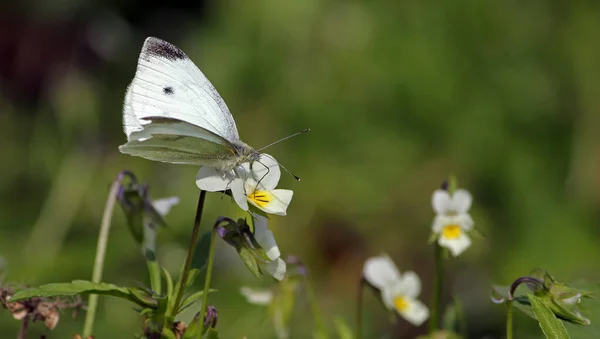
(400, 303)
(451, 231)
(261, 198)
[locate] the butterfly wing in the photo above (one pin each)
(178, 142)
(168, 84)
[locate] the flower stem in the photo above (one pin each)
(211, 255)
(23, 328)
(100, 255)
(509, 320)
(191, 250)
(437, 289)
(358, 331)
(314, 306)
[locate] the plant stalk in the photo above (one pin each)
(509, 319)
(314, 306)
(358, 331)
(437, 289)
(23, 328)
(191, 250)
(90, 316)
(211, 255)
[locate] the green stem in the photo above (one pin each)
(437, 290)
(100, 255)
(358, 331)
(509, 320)
(190, 254)
(314, 306)
(211, 255)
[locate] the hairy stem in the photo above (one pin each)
(191, 250)
(90, 316)
(437, 289)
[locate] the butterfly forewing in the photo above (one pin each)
(168, 84)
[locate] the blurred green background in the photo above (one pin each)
(398, 95)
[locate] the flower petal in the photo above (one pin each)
(461, 201)
(276, 268)
(439, 222)
(163, 206)
(381, 272)
(265, 238)
(279, 202)
(416, 313)
(258, 297)
(441, 201)
(239, 193)
(411, 284)
(211, 180)
(266, 172)
(465, 221)
(455, 245)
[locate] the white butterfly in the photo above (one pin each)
(172, 113)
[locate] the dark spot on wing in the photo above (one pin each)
(162, 49)
(168, 90)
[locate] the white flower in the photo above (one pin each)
(257, 297)
(163, 206)
(452, 219)
(398, 292)
(264, 236)
(250, 183)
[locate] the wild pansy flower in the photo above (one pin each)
(452, 219)
(399, 292)
(252, 183)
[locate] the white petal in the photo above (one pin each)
(411, 284)
(279, 204)
(266, 172)
(239, 193)
(416, 313)
(457, 245)
(258, 297)
(387, 296)
(440, 201)
(465, 221)
(163, 206)
(461, 201)
(276, 268)
(211, 180)
(439, 222)
(381, 272)
(265, 238)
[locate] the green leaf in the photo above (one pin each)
(552, 327)
(169, 281)
(249, 260)
(344, 331)
(187, 302)
(154, 273)
(81, 287)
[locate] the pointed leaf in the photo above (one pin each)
(249, 260)
(80, 287)
(187, 302)
(169, 281)
(552, 327)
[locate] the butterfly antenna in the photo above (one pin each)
(290, 173)
(280, 140)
